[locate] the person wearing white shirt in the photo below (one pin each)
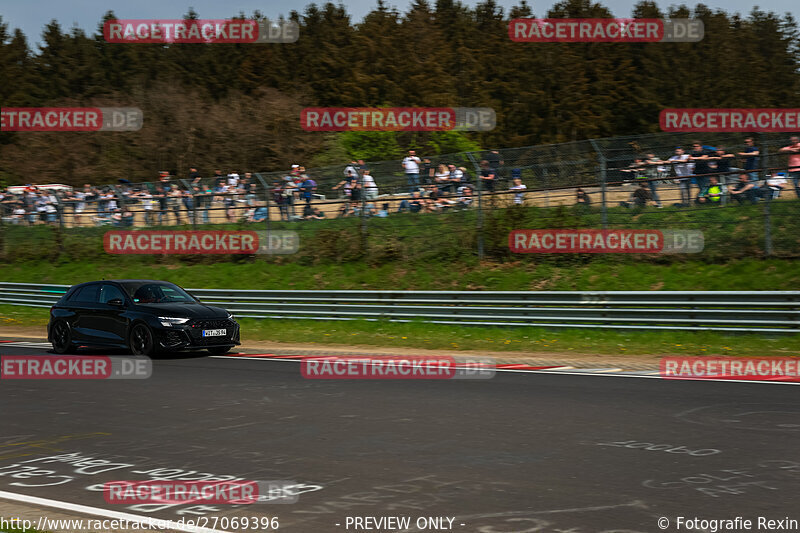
(411, 168)
(682, 171)
(370, 187)
(518, 186)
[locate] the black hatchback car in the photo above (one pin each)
(144, 316)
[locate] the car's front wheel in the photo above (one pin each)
(141, 340)
(61, 336)
(219, 350)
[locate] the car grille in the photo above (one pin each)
(231, 328)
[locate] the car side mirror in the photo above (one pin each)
(116, 301)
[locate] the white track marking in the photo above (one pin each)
(645, 374)
(96, 511)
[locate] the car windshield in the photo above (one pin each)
(148, 292)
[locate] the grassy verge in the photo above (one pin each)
(744, 274)
(435, 336)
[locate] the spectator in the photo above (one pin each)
(147, 205)
(465, 198)
(174, 203)
(750, 155)
(777, 184)
(744, 190)
(411, 168)
(642, 195)
(794, 161)
(721, 163)
(280, 200)
(122, 217)
(315, 214)
(259, 215)
(82, 197)
(383, 212)
(233, 180)
(188, 203)
(218, 178)
(683, 169)
(307, 189)
(636, 168)
(582, 198)
(346, 185)
(160, 197)
(519, 197)
(428, 171)
(713, 194)
(456, 177)
(370, 188)
(495, 162)
(414, 205)
(488, 176)
(442, 176)
(701, 156)
(652, 174)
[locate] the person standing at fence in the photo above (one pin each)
(519, 196)
(701, 156)
(750, 158)
(411, 168)
(683, 169)
(496, 163)
(370, 187)
(794, 162)
(146, 198)
(488, 176)
(652, 174)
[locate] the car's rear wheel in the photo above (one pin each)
(62, 338)
(141, 340)
(219, 350)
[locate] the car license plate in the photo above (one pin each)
(215, 332)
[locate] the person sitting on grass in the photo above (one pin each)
(744, 190)
(712, 194)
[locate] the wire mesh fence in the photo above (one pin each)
(743, 194)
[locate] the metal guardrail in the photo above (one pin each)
(739, 311)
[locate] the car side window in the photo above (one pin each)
(110, 292)
(86, 295)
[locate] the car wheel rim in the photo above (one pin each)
(141, 340)
(61, 335)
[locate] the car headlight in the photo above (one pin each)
(230, 316)
(170, 321)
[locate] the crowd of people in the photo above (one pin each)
(707, 174)
(703, 174)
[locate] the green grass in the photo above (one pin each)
(743, 274)
(522, 339)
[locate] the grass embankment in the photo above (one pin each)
(437, 252)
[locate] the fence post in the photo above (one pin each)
(480, 204)
(768, 225)
(601, 159)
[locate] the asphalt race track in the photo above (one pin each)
(522, 452)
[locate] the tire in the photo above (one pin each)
(219, 350)
(141, 340)
(62, 338)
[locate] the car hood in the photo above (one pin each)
(181, 310)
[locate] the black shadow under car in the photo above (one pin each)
(145, 316)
